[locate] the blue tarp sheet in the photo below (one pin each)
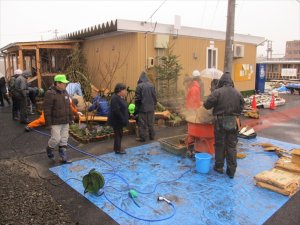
(196, 198)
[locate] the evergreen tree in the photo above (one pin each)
(168, 71)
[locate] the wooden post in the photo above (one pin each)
(20, 60)
(38, 67)
(5, 67)
(9, 65)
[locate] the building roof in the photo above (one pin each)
(279, 61)
(124, 26)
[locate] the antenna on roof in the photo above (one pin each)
(177, 25)
(156, 10)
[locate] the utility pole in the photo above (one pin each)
(229, 37)
(269, 50)
(55, 33)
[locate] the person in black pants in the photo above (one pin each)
(145, 103)
(3, 91)
(15, 95)
(227, 104)
(118, 115)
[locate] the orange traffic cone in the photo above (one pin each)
(272, 103)
(253, 102)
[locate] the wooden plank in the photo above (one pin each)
(12, 49)
(56, 46)
(28, 47)
(97, 118)
(93, 118)
(31, 79)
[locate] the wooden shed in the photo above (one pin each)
(43, 59)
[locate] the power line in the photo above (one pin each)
(31, 33)
(213, 19)
(157, 9)
(203, 13)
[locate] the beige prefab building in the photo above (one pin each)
(120, 50)
(129, 47)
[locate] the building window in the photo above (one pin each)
(211, 58)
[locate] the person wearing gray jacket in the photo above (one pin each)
(145, 103)
(21, 87)
(227, 104)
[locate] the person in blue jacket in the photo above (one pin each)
(101, 105)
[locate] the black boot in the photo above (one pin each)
(63, 154)
(50, 153)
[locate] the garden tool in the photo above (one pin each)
(160, 198)
(93, 182)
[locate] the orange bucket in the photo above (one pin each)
(203, 135)
(201, 130)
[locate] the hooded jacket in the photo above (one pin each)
(57, 107)
(145, 95)
(225, 100)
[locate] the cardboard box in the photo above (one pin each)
(296, 155)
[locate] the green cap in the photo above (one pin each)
(131, 108)
(61, 78)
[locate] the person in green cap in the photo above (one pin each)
(58, 116)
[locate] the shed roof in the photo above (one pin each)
(33, 44)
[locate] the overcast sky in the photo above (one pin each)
(276, 20)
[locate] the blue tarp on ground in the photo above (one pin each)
(197, 198)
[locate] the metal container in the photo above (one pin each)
(175, 145)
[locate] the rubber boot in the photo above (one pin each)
(63, 154)
(50, 153)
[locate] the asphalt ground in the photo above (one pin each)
(282, 124)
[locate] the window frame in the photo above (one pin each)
(212, 49)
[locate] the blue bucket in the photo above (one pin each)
(202, 162)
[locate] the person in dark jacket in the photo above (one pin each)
(227, 104)
(21, 87)
(3, 91)
(15, 95)
(58, 116)
(145, 103)
(118, 115)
